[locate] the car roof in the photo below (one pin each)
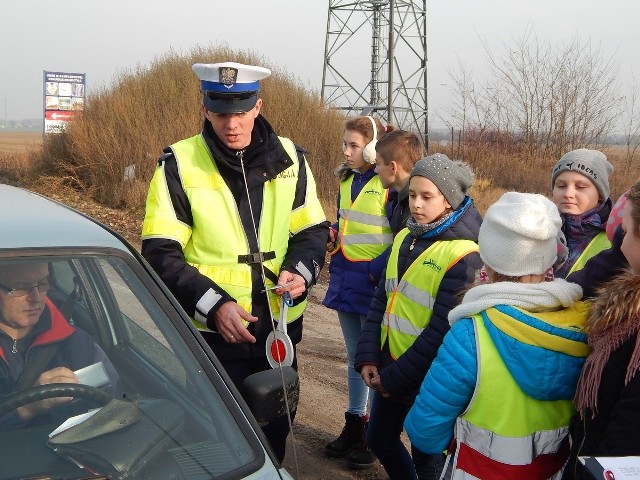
(30, 220)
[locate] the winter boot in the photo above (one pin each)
(362, 457)
(351, 437)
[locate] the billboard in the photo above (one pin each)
(64, 95)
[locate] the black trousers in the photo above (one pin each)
(277, 430)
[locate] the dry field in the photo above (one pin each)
(12, 142)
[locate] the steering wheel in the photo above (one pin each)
(52, 390)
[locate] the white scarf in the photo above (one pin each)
(533, 297)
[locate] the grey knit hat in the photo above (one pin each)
(452, 177)
(593, 164)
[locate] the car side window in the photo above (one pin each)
(141, 330)
(69, 296)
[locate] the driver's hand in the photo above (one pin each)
(55, 375)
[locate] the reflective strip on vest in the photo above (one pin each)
(504, 433)
(544, 467)
(597, 244)
(410, 300)
(213, 247)
(363, 227)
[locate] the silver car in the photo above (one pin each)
(156, 403)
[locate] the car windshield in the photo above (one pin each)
(150, 402)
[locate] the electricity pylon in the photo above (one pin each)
(375, 61)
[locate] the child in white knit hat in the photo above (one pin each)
(580, 183)
(431, 262)
(503, 382)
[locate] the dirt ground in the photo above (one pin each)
(323, 398)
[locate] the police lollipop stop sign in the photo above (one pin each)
(279, 345)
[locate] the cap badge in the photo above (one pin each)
(228, 76)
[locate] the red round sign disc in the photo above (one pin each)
(278, 351)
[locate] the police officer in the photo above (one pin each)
(231, 214)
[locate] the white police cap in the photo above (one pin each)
(230, 87)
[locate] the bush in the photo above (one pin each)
(111, 152)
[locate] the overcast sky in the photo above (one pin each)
(101, 38)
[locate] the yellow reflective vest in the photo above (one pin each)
(504, 433)
(363, 227)
(597, 244)
(410, 299)
(217, 239)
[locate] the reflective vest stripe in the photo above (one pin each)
(362, 217)
(416, 294)
(363, 238)
(473, 465)
(597, 244)
(390, 284)
(511, 450)
(363, 227)
(402, 325)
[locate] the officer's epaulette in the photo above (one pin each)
(164, 157)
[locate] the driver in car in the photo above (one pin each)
(37, 344)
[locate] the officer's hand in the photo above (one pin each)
(297, 286)
(229, 324)
(55, 375)
(369, 372)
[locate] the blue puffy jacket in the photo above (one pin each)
(541, 371)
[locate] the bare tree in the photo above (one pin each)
(631, 121)
(554, 97)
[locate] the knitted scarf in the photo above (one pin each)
(532, 297)
(614, 318)
(419, 229)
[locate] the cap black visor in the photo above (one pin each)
(230, 102)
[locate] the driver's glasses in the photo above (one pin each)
(22, 291)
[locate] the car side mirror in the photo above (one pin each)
(264, 393)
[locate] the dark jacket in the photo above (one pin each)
(75, 349)
(601, 267)
(400, 212)
(402, 378)
(614, 430)
(579, 231)
(264, 159)
(351, 284)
